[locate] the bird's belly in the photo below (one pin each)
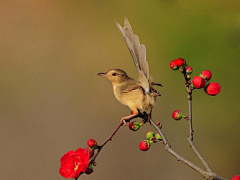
(133, 102)
(136, 99)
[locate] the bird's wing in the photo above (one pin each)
(130, 88)
(137, 50)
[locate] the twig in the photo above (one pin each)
(206, 174)
(92, 161)
(190, 137)
(199, 155)
(101, 146)
(105, 142)
(190, 114)
(189, 97)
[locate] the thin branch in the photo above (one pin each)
(206, 174)
(189, 97)
(164, 139)
(190, 137)
(92, 161)
(111, 135)
(105, 142)
(199, 155)
(190, 114)
(101, 146)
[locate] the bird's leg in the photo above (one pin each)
(134, 114)
(150, 114)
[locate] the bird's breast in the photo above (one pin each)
(117, 93)
(134, 99)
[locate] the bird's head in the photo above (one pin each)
(115, 76)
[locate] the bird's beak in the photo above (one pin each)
(101, 74)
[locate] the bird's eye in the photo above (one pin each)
(114, 74)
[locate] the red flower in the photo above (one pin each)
(213, 89)
(73, 163)
(144, 145)
(179, 62)
(92, 143)
(189, 70)
(237, 177)
(198, 82)
(175, 64)
(177, 115)
(206, 75)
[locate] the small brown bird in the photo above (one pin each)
(136, 94)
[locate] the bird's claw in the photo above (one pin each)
(149, 117)
(123, 121)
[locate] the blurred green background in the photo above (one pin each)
(52, 101)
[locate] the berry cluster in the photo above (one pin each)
(198, 82)
(74, 163)
(151, 138)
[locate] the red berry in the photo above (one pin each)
(198, 82)
(179, 62)
(92, 143)
(213, 89)
(189, 70)
(173, 66)
(206, 75)
(144, 145)
(237, 177)
(177, 115)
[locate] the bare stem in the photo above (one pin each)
(105, 142)
(206, 174)
(190, 137)
(190, 115)
(110, 138)
(189, 97)
(199, 155)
